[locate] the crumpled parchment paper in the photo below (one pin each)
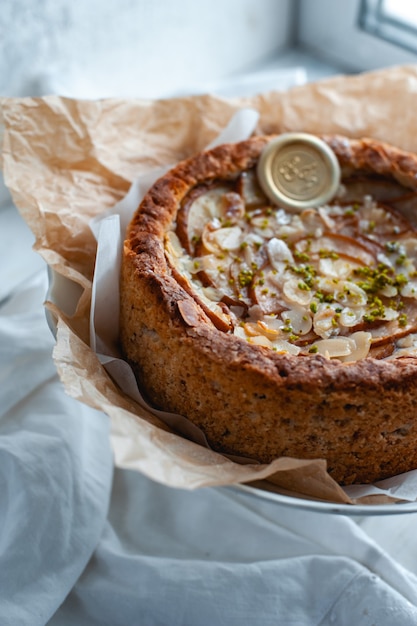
(71, 163)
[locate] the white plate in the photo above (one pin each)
(319, 506)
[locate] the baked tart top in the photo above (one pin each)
(336, 283)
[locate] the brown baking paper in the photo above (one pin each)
(67, 162)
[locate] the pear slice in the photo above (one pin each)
(381, 189)
(266, 292)
(386, 332)
(407, 205)
(216, 312)
(250, 190)
(201, 205)
(340, 245)
(382, 351)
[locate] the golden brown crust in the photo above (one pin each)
(370, 156)
(249, 400)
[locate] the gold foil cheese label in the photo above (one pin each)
(298, 171)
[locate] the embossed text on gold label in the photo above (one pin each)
(299, 172)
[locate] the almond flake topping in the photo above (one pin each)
(336, 281)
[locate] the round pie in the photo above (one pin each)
(276, 332)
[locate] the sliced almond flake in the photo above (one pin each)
(265, 232)
(260, 340)
(193, 265)
(190, 312)
(238, 311)
(389, 291)
(252, 239)
(361, 345)
(335, 210)
(271, 333)
(228, 238)
(213, 294)
(350, 294)
(337, 268)
(263, 226)
(313, 222)
(327, 268)
(368, 202)
(328, 222)
(408, 341)
(239, 331)
(300, 320)
(385, 260)
(217, 240)
(272, 323)
(261, 221)
(278, 253)
(282, 217)
(255, 312)
(409, 290)
(290, 232)
(335, 347)
(389, 314)
(252, 329)
(410, 247)
(282, 346)
(295, 292)
(350, 317)
(208, 240)
(324, 320)
(253, 251)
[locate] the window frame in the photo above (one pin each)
(332, 31)
(376, 21)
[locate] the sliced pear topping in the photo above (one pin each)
(265, 291)
(340, 280)
(229, 238)
(201, 205)
(249, 189)
(342, 246)
(233, 207)
(215, 272)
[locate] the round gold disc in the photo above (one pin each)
(298, 171)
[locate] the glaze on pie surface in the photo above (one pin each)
(281, 333)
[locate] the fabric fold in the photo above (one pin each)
(55, 469)
(170, 556)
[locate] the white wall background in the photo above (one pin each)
(142, 48)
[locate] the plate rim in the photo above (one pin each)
(322, 506)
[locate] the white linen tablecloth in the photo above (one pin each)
(84, 544)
